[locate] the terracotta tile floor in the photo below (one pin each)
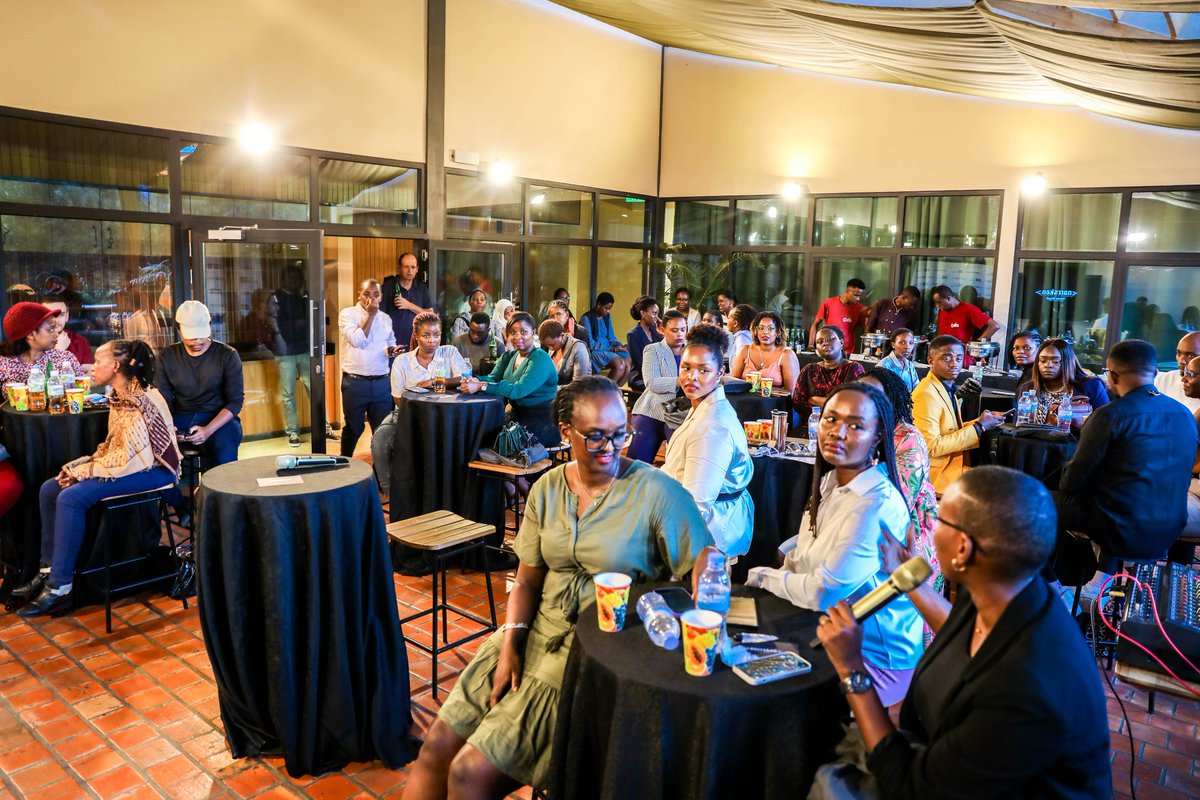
(134, 714)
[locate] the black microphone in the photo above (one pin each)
(908, 576)
(308, 462)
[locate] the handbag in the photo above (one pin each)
(515, 446)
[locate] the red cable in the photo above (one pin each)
(1157, 621)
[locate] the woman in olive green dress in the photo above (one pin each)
(600, 513)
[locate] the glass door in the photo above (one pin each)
(457, 269)
(264, 289)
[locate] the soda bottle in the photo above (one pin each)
(660, 624)
(37, 389)
(491, 347)
(814, 420)
(56, 395)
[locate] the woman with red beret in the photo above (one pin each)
(30, 333)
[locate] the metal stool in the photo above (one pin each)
(191, 468)
(109, 504)
(444, 535)
(560, 453)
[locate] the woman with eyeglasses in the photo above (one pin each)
(526, 377)
(599, 513)
(1057, 378)
(767, 354)
(708, 453)
(855, 504)
(1024, 353)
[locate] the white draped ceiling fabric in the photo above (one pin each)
(974, 50)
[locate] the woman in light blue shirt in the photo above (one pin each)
(903, 342)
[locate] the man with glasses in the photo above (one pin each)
(1126, 486)
(1171, 382)
(937, 415)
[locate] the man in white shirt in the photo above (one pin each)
(1170, 382)
(367, 341)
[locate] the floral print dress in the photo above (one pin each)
(912, 464)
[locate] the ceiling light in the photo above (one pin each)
(537, 199)
(256, 138)
(1034, 185)
(772, 212)
(500, 172)
(792, 190)
(1137, 236)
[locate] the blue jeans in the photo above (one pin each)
(220, 448)
(363, 397)
(64, 515)
(292, 367)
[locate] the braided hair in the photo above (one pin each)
(896, 391)
(885, 448)
(135, 361)
(577, 390)
(420, 321)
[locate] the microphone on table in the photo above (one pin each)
(309, 462)
(908, 576)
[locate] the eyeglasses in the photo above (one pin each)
(765, 329)
(594, 442)
(964, 532)
(1187, 373)
(1022, 348)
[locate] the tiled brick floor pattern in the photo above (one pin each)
(134, 714)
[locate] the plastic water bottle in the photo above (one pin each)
(1023, 414)
(56, 398)
(660, 624)
(814, 419)
(467, 371)
(712, 588)
(37, 389)
(1064, 415)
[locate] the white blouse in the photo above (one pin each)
(407, 372)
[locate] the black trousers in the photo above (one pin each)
(369, 398)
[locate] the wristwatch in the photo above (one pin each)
(856, 683)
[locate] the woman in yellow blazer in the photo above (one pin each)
(937, 416)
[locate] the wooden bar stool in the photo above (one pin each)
(443, 535)
(507, 474)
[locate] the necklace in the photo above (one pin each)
(592, 496)
(762, 364)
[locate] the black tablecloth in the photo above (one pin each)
(40, 443)
(1041, 455)
(780, 489)
(436, 437)
(750, 406)
(632, 724)
(298, 608)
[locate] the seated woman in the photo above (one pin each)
(836, 555)
(560, 312)
(767, 355)
(817, 379)
(69, 340)
(31, 331)
(902, 343)
(660, 363)
(640, 336)
(525, 377)
(1024, 353)
(503, 312)
(415, 369)
(599, 513)
(912, 465)
(708, 453)
(477, 301)
(741, 320)
(570, 356)
(1057, 378)
(139, 454)
(607, 352)
(1007, 701)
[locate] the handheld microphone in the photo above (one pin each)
(908, 576)
(308, 462)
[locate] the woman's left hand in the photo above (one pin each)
(842, 637)
(471, 386)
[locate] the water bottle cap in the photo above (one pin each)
(716, 559)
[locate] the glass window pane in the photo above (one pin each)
(1066, 297)
(222, 180)
(1161, 305)
(1058, 221)
(476, 205)
(704, 275)
(771, 221)
(623, 219)
(775, 283)
(118, 284)
(855, 222)
(970, 278)
(560, 212)
(1165, 222)
(559, 266)
(952, 221)
(619, 272)
(354, 193)
(461, 272)
(833, 273)
(697, 222)
(67, 165)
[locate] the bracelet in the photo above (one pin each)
(508, 626)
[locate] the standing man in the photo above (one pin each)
(367, 343)
(1172, 382)
(845, 313)
(683, 304)
(404, 297)
(892, 313)
(937, 416)
(294, 320)
(963, 321)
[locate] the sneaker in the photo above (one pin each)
(294, 439)
(329, 434)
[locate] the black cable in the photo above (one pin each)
(1108, 681)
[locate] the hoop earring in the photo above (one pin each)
(957, 565)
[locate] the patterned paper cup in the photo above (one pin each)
(83, 383)
(753, 378)
(765, 386)
(701, 632)
(18, 396)
(75, 400)
(612, 600)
